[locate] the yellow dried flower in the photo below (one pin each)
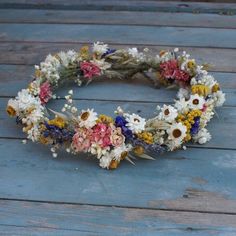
(191, 64)
(114, 164)
(84, 52)
(11, 111)
(105, 119)
(37, 73)
(146, 137)
(215, 88)
(138, 150)
(123, 155)
(58, 121)
(44, 140)
(200, 89)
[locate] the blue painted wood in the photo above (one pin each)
(156, 6)
(222, 127)
(32, 218)
(113, 17)
(148, 35)
(195, 179)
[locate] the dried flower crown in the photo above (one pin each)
(126, 136)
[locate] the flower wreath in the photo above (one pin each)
(126, 136)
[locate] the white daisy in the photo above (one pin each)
(219, 98)
(168, 113)
(196, 101)
(100, 48)
(105, 161)
(87, 118)
(202, 136)
(177, 132)
(135, 122)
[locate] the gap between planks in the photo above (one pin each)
(151, 6)
(116, 206)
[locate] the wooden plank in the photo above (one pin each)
(199, 180)
(221, 59)
(13, 78)
(123, 34)
(221, 128)
(169, 6)
(62, 219)
(114, 17)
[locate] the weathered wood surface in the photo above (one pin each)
(165, 36)
(192, 180)
(64, 219)
(190, 192)
(117, 17)
(123, 5)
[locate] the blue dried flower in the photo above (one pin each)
(195, 127)
(109, 51)
(57, 134)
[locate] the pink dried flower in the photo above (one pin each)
(102, 135)
(181, 75)
(45, 92)
(89, 69)
(170, 70)
(81, 140)
(117, 138)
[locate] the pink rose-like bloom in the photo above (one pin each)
(45, 92)
(81, 140)
(117, 138)
(181, 75)
(101, 135)
(170, 70)
(89, 69)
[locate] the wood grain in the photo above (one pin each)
(116, 17)
(29, 172)
(65, 219)
(151, 6)
(123, 34)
